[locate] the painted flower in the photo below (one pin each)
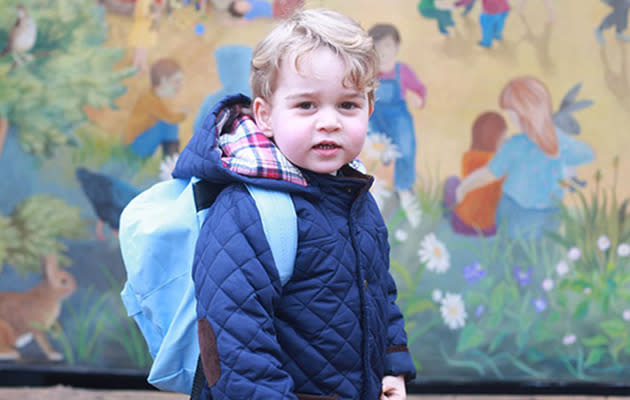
(474, 272)
(562, 268)
(547, 284)
(523, 277)
(623, 250)
(434, 254)
(588, 290)
(574, 254)
(380, 192)
(167, 165)
(453, 311)
(603, 243)
(437, 295)
(626, 315)
(401, 235)
(540, 304)
(379, 146)
(411, 207)
(569, 339)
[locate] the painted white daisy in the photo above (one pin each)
(437, 295)
(574, 254)
(623, 250)
(401, 235)
(603, 243)
(562, 268)
(453, 311)
(380, 192)
(547, 284)
(379, 146)
(167, 165)
(410, 205)
(434, 254)
(588, 291)
(569, 339)
(626, 315)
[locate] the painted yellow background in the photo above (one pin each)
(462, 78)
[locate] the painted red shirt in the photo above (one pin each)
(488, 6)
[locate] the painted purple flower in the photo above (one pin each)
(523, 277)
(540, 304)
(480, 309)
(474, 272)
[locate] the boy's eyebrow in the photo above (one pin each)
(349, 94)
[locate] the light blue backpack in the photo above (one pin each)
(158, 233)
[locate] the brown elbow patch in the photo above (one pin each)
(209, 352)
(396, 349)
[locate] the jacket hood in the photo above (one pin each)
(228, 147)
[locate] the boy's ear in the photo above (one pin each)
(262, 116)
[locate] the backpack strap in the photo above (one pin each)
(277, 214)
(279, 221)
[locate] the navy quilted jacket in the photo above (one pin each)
(333, 330)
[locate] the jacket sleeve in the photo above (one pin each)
(398, 360)
(237, 287)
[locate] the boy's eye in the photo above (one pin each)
(348, 105)
(305, 105)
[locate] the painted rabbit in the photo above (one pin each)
(27, 315)
(563, 118)
(566, 122)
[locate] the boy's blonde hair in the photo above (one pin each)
(305, 32)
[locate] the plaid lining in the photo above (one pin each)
(247, 151)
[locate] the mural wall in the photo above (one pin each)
(508, 225)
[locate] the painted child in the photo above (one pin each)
(398, 86)
(475, 214)
(152, 123)
(440, 10)
(532, 162)
(333, 330)
(492, 19)
(232, 64)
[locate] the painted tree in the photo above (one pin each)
(68, 68)
(37, 227)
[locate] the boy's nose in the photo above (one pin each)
(328, 120)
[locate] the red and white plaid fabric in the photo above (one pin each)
(247, 151)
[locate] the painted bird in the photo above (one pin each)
(21, 37)
(107, 195)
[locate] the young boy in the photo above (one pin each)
(151, 122)
(333, 331)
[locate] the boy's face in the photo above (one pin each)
(316, 122)
(387, 50)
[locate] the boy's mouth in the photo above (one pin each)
(326, 146)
